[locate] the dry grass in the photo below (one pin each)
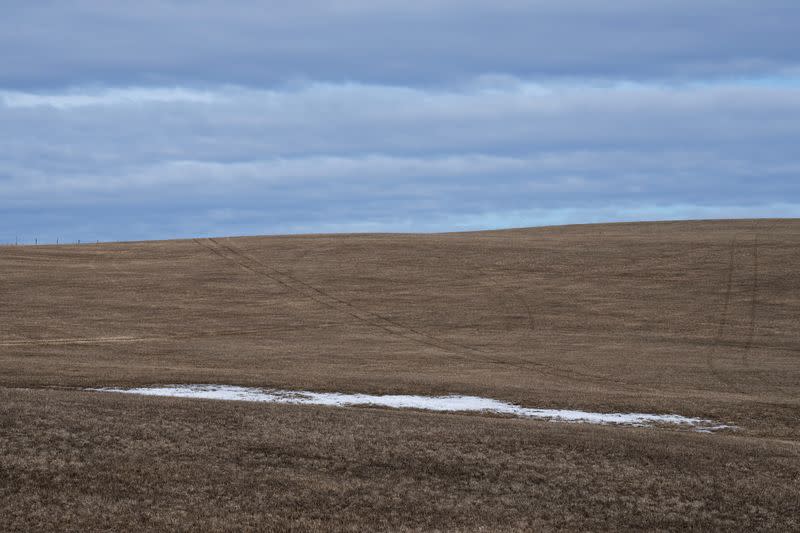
(78, 460)
(698, 318)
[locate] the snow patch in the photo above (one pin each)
(451, 403)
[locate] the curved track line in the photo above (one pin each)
(753, 306)
(451, 346)
(748, 343)
(313, 293)
(388, 325)
(756, 285)
(723, 322)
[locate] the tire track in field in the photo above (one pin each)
(751, 333)
(390, 326)
(292, 284)
(754, 302)
(723, 321)
(748, 343)
(755, 287)
(451, 346)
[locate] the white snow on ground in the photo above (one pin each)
(430, 403)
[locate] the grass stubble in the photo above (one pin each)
(696, 318)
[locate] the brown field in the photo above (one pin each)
(695, 318)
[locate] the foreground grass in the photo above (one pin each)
(78, 461)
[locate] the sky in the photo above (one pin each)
(177, 118)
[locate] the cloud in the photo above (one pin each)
(327, 155)
(162, 42)
(104, 98)
(166, 118)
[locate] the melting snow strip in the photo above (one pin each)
(430, 403)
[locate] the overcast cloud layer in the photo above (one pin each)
(174, 119)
